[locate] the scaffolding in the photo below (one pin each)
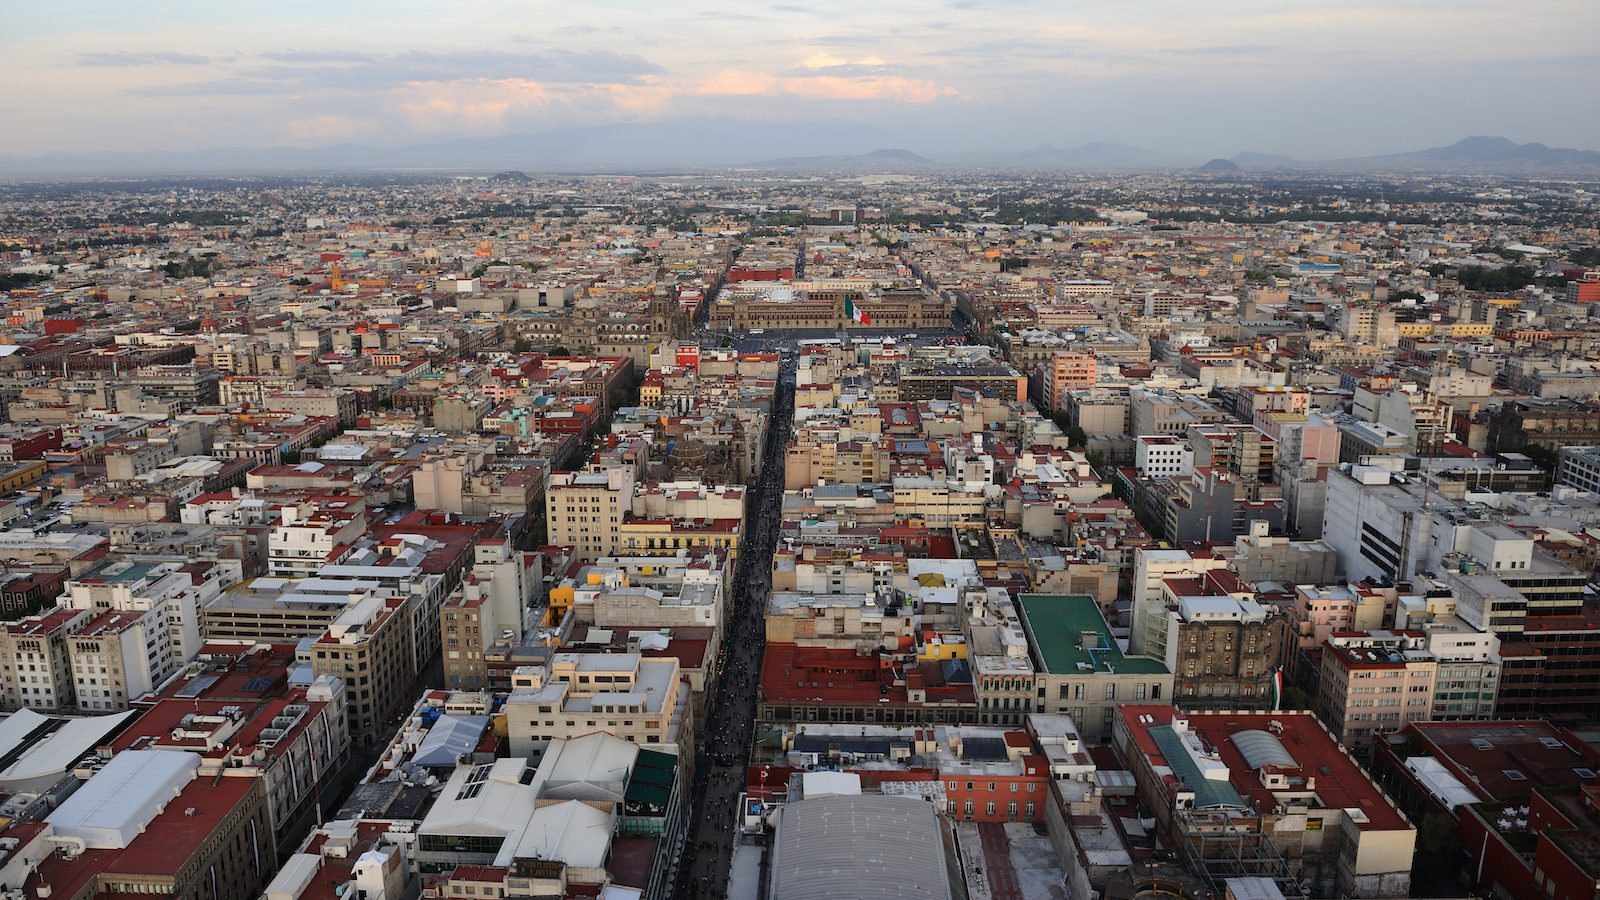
(1228, 844)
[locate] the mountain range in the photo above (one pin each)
(720, 143)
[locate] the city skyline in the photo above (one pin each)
(1244, 76)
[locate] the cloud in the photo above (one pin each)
(218, 88)
(324, 127)
(1223, 50)
(836, 64)
(123, 60)
(315, 56)
(822, 60)
(481, 105)
(741, 83)
(882, 87)
(328, 69)
(737, 83)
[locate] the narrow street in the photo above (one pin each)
(719, 773)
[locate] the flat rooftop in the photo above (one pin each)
(1057, 625)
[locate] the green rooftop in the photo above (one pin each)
(1208, 793)
(120, 572)
(1057, 624)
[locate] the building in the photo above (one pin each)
(1483, 781)
(35, 663)
(293, 738)
(1067, 371)
(832, 845)
(640, 700)
(1223, 648)
(494, 605)
(1156, 456)
(1269, 795)
(1151, 569)
(369, 647)
(1579, 467)
(1080, 671)
(148, 823)
(1374, 682)
(145, 626)
(558, 828)
(585, 510)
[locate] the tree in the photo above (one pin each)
(521, 345)
(1405, 294)
(559, 350)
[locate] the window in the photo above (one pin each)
(1138, 691)
(1155, 692)
(1029, 807)
(1111, 690)
(988, 808)
(966, 809)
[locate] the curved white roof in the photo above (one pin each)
(1260, 748)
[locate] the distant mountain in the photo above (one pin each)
(1097, 155)
(1252, 160)
(642, 146)
(891, 159)
(1218, 165)
(900, 154)
(512, 177)
(1484, 151)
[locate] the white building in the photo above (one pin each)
(1159, 455)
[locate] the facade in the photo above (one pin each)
(585, 510)
(640, 700)
(1156, 456)
(144, 626)
(1270, 791)
(369, 647)
(1079, 669)
(35, 662)
(1375, 682)
(1223, 648)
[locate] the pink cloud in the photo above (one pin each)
(871, 87)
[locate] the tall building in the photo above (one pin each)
(145, 626)
(1375, 682)
(1223, 648)
(585, 510)
(35, 663)
(369, 647)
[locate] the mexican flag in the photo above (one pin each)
(855, 312)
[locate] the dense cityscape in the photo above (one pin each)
(1202, 533)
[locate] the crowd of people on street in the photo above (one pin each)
(720, 774)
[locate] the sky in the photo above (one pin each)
(1313, 79)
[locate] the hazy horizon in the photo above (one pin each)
(1314, 81)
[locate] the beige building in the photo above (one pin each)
(369, 647)
(585, 510)
(35, 666)
(144, 625)
(1374, 682)
(624, 694)
(1079, 668)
